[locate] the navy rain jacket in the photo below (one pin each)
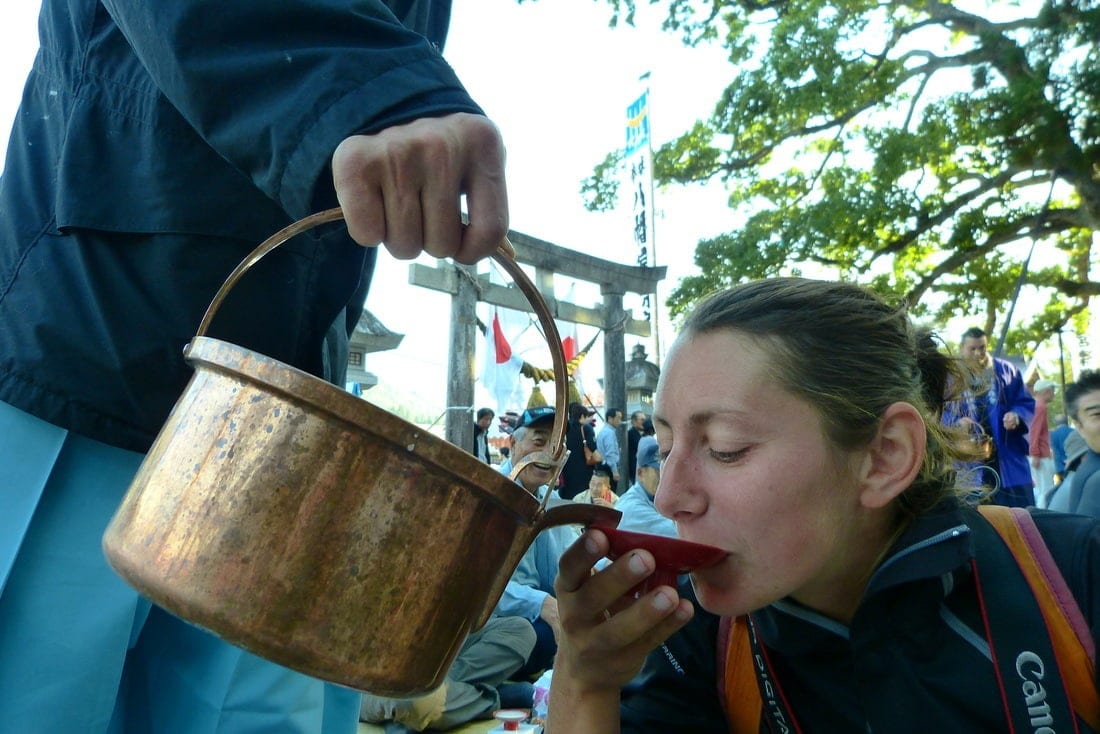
(170, 137)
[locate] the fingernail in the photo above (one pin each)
(662, 602)
(637, 565)
(590, 545)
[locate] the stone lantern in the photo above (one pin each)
(641, 381)
(370, 335)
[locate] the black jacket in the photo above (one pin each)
(159, 141)
(906, 663)
(577, 473)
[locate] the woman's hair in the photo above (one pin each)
(851, 355)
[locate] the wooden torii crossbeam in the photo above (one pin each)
(467, 287)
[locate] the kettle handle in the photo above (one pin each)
(504, 256)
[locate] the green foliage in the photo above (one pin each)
(909, 145)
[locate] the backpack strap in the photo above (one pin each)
(737, 687)
(1074, 646)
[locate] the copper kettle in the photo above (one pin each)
(317, 530)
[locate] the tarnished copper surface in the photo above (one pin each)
(319, 531)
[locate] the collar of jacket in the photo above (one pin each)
(932, 549)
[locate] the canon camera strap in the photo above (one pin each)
(777, 713)
(1032, 690)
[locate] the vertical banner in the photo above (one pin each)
(639, 160)
(637, 125)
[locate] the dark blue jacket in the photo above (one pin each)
(159, 141)
(913, 659)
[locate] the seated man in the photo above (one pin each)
(474, 687)
(636, 504)
(599, 488)
(530, 592)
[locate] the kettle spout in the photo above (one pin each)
(564, 513)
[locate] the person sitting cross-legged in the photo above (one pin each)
(599, 490)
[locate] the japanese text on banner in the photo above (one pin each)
(637, 155)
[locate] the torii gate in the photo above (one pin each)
(467, 288)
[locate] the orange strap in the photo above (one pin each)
(1074, 665)
(742, 694)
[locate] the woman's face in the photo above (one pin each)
(747, 468)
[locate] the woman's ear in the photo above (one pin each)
(895, 456)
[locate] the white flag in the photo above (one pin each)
(500, 375)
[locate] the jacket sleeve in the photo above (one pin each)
(521, 600)
(524, 594)
(274, 87)
(1017, 398)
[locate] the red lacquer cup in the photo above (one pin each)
(673, 555)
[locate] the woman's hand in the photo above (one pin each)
(605, 633)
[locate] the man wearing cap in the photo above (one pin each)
(1039, 452)
(636, 504)
(530, 591)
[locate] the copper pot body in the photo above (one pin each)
(319, 531)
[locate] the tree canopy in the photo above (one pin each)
(921, 147)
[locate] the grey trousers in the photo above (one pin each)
(469, 691)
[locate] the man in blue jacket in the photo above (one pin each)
(997, 409)
(157, 143)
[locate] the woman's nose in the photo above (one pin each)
(674, 488)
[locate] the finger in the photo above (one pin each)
(597, 592)
(359, 197)
(401, 188)
(364, 215)
(650, 620)
(619, 581)
(629, 635)
(575, 564)
(441, 208)
(486, 198)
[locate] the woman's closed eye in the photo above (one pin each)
(728, 457)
